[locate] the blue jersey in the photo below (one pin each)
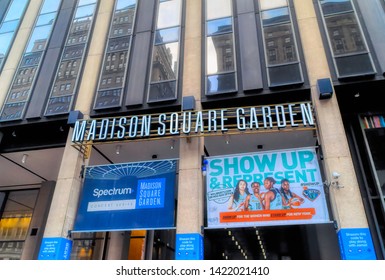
(276, 203)
(254, 203)
(241, 199)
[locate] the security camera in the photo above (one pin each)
(336, 175)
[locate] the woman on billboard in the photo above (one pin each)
(255, 200)
(238, 198)
(289, 199)
(272, 199)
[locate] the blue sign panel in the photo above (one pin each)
(356, 244)
(127, 196)
(55, 248)
(189, 246)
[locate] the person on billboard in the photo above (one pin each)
(289, 199)
(238, 198)
(254, 201)
(272, 199)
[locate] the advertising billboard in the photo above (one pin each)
(127, 196)
(278, 187)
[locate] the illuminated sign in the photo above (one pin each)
(127, 196)
(194, 123)
(268, 188)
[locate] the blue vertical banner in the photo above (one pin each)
(356, 244)
(128, 196)
(55, 248)
(189, 246)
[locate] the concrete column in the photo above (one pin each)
(190, 186)
(117, 245)
(347, 205)
(65, 200)
(17, 48)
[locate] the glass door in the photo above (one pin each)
(15, 217)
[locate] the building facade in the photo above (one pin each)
(136, 129)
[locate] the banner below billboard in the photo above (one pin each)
(127, 196)
(281, 187)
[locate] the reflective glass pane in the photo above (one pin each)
(167, 35)
(218, 9)
(165, 62)
(220, 54)
(85, 11)
(5, 40)
(79, 32)
(169, 14)
(279, 44)
(46, 19)
(117, 44)
(125, 4)
(20, 204)
(354, 65)
(39, 38)
(221, 83)
(31, 59)
(108, 98)
(58, 105)
(285, 75)
(162, 91)
(18, 95)
(275, 16)
(335, 6)
(86, 2)
(9, 26)
(123, 21)
(218, 26)
(50, 6)
(113, 70)
(16, 9)
(271, 4)
(12, 111)
(87, 246)
(65, 85)
(345, 34)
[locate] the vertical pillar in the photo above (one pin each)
(190, 186)
(117, 245)
(66, 196)
(346, 202)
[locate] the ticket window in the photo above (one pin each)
(16, 210)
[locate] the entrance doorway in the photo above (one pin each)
(300, 242)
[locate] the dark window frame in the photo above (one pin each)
(126, 61)
(67, 106)
(24, 65)
(175, 83)
(329, 45)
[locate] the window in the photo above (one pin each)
(282, 59)
(9, 26)
(347, 43)
(118, 46)
(74, 50)
(30, 61)
(165, 54)
(220, 70)
(14, 221)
